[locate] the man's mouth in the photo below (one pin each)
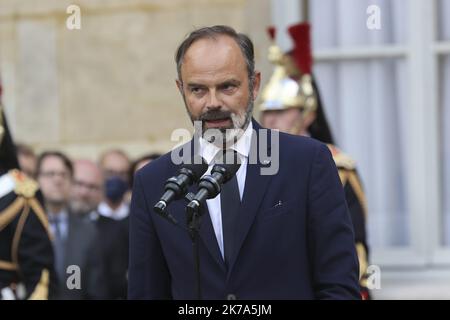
(218, 123)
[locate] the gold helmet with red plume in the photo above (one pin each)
(290, 85)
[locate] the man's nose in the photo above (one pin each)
(58, 180)
(213, 101)
(83, 192)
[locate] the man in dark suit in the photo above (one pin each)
(78, 261)
(112, 232)
(282, 235)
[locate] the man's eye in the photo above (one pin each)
(228, 87)
(196, 90)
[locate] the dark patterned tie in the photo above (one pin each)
(230, 203)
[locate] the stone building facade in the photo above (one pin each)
(110, 83)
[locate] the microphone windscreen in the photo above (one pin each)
(197, 167)
(230, 163)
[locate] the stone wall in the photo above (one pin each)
(111, 83)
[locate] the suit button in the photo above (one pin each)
(231, 297)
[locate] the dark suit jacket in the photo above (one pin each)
(114, 252)
(294, 239)
(82, 249)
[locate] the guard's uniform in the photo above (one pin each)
(26, 254)
(292, 85)
(357, 205)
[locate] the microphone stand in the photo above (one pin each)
(211, 185)
(193, 218)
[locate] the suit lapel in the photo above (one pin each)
(255, 188)
(206, 233)
(209, 238)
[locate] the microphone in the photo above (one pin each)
(211, 185)
(176, 186)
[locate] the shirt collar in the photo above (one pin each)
(7, 184)
(60, 216)
(120, 213)
(208, 150)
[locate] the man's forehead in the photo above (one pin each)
(52, 161)
(86, 166)
(114, 158)
(213, 52)
(217, 40)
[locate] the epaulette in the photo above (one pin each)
(23, 185)
(346, 168)
(341, 159)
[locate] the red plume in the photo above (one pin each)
(302, 53)
(271, 31)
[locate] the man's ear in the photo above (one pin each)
(256, 84)
(179, 85)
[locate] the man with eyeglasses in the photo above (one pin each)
(77, 254)
(87, 192)
(87, 188)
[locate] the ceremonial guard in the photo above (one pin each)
(26, 254)
(291, 103)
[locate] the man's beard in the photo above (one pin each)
(81, 207)
(224, 137)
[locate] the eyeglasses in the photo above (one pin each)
(89, 186)
(51, 174)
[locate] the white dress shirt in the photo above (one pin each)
(209, 151)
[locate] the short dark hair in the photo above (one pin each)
(241, 39)
(65, 159)
(106, 153)
(149, 157)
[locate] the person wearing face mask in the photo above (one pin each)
(112, 221)
(115, 167)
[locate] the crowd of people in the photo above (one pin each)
(317, 223)
(87, 204)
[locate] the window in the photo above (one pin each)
(387, 98)
(442, 54)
